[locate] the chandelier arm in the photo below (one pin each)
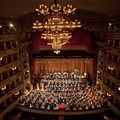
(55, 2)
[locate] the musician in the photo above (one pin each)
(72, 75)
(77, 74)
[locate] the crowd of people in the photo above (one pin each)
(62, 75)
(63, 81)
(88, 98)
(66, 86)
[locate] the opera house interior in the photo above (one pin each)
(60, 60)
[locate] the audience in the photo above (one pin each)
(88, 98)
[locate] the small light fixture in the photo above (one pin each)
(1, 58)
(118, 88)
(11, 25)
(57, 51)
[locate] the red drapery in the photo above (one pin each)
(81, 38)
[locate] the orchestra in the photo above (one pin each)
(89, 98)
(63, 75)
(64, 90)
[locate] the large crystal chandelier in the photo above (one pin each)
(56, 24)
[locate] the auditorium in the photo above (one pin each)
(60, 60)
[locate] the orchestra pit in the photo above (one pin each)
(59, 60)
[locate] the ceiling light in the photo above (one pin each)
(56, 26)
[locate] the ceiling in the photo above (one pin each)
(17, 8)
